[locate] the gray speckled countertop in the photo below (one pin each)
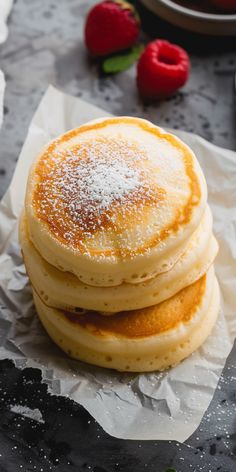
(45, 45)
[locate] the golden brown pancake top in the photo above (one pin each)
(147, 321)
(105, 184)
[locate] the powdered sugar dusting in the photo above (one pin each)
(92, 182)
(92, 185)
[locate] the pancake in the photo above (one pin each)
(150, 339)
(65, 291)
(114, 201)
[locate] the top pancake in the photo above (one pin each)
(114, 201)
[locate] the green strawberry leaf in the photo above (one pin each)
(170, 470)
(121, 62)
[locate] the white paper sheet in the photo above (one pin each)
(165, 405)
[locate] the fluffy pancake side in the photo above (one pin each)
(143, 340)
(114, 201)
(65, 291)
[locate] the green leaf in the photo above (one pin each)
(170, 470)
(121, 62)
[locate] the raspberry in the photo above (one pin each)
(111, 26)
(162, 69)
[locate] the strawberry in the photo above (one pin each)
(111, 26)
(162, 69)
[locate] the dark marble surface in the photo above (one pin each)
(39, 432)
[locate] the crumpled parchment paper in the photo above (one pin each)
(165, 405)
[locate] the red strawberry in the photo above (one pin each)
(162, 69)
(111, 26)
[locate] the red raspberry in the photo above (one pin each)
(162, 69)
(111, 26)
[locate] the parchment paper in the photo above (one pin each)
(166, 405)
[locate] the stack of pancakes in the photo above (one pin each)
(117, 240)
